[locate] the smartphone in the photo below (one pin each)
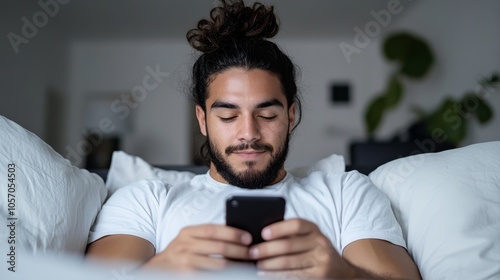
(253, 213)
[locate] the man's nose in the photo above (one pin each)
(249, 130)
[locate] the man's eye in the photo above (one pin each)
(268, 118)
(227, 119)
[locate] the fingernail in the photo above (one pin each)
(246, 238)
(266, 234)
(254, 252)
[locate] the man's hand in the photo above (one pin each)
(206, 247)
(297, 247)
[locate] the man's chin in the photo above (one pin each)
(250, 172)
(250, 167)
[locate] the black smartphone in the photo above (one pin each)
(253, 213)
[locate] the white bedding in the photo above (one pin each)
(74, 267)
(448, 205)
(50, 204)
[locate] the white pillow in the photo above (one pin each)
(54, 203)
(448, 205)
(332, 164)
(126, 169)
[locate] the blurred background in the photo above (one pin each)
(92, 76)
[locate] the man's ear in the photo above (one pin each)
(200, 115)
(291, 116)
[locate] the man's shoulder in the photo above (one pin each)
(329, 177)
(340, 181)
(143, 187)
(162, 183)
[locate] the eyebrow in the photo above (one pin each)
(269, 103)
(221, 104)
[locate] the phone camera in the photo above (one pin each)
(234, 203)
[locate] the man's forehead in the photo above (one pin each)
(239, 85)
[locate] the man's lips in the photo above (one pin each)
(249, 153)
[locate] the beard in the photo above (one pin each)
(250, 178)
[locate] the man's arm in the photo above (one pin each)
(381, 258)
(121, 247)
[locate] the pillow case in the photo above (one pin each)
(332, 164)
(448, 205)
(126, 169)
(48, 204)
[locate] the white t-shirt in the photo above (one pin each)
(346, 207)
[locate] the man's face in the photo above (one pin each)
(247, 124)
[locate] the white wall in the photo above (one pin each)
(159, 122)
(26, 75)
(327, 128)
(39, 67)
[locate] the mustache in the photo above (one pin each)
(254, 146)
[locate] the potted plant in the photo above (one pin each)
(449, 119)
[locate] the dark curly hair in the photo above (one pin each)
(236, 36)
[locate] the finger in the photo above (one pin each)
(287, 228)
(226, 249)
(289, 262)
(218, 232)
(284, 246)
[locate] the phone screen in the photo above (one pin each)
(253, 213)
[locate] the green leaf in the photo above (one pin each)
(396, 45)
(455, 135)
(449, 121)
(374, 114)
(495, 78)
(484, 113)
(394, 92)
(477, 106)
(413, 54)
(491, 81)
(418, 60)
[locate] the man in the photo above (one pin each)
(336, 226)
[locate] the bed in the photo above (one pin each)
(448, 205)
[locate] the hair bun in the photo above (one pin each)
(233, 21)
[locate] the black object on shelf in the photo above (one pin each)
(102, 151)
(367, 156)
